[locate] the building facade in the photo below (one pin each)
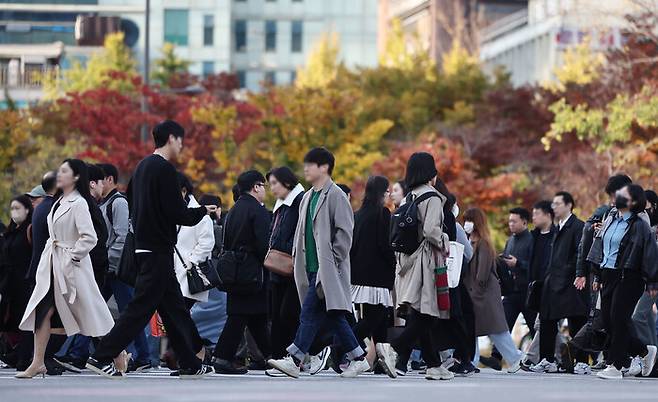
(530, 44)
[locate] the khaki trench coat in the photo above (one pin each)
(77, 299)
(415, 278)
(333, 225)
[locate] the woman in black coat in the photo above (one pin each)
(246, 229)
(15, 256)
(284, 300)
(373, 264)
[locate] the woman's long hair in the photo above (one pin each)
(480, 226)
(376, 188)
(79, 169)
(25, 201)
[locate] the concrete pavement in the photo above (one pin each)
(489, 386)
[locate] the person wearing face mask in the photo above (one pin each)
(247, 228)
(626, 252)
(15, 256)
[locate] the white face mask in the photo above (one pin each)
(18, 216)
(455, 210)
(468, 227)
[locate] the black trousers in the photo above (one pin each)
(418, 327)
(372, 324)
(229, 340)
(156, 289)
(514, 304)
(548, 332)
(619, 295)
(197, 341)
(285, 316)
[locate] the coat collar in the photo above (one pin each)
(323, 196)
(65, 204)
(290, 198)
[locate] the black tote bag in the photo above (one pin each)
(128, 269)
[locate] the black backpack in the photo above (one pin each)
(404, 225)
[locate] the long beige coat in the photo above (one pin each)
(77, 299)
(415, 279)
(333, 226)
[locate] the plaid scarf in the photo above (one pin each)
(441, 284)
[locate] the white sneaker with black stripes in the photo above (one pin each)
(107, 370)
(191, 374)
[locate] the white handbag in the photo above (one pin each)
(454, 263)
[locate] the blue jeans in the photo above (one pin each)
(123, 294)
(505, 344)
(314, 316)
(210, 316)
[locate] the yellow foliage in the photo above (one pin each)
(321, 65)
(580, 66)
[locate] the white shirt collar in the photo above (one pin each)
(290, 198)
(562, 222)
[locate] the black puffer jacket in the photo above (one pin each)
(638, 250)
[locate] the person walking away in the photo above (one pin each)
(560, 299)
(626, 251)
(66, 294)
(373, 266)
(15, 290)
(421, 283)
(156, 209)
(323, 238)
(247, 230)
(284, 301)
(482, 284)
(210, 316)
(194, 246)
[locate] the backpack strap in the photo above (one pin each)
(108, 209)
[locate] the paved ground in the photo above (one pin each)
(487, 386)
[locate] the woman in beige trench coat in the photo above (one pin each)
(66, 295)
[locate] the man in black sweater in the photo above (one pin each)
(156, 208)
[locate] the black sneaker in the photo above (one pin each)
(222, 366)
(463, 369)
(418, 365)
(192, 374)
(491, 362)
(107, 370)
(525, 366)
(53, 367)
(72, 364)
(139, 366)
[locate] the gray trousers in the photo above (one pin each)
(645, 320)
(532, 354)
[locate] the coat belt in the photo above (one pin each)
(66, 287)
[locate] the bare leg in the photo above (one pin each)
(41, 337)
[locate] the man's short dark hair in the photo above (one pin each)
(616, 183)
(567, 198)
(546, 207)
(346, 189)
(110, 171)
(49, 181)
(523, 213)
(247, 180)
(163, 130)
(321, 156)
(95, 173)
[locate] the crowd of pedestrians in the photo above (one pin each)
(404, 283)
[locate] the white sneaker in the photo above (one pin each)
(355, 368)
(387, 358)
(439, 373)
(635, 367)
(516, 366)
(649, 360)
(544, 366)
(318, 362)
(582, 369)
(286, 365)
(274, 373)
(610, 373)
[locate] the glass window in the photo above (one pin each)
(270, 77)
(240, 35)
(270, 35)
(208, 30)
(176, 26)
(208, 68)
(293, 76)
(297, 36)
(242, 78)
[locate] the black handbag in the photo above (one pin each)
(505, 277)
(128, 269)
(533, 298)
(200, 277)
(239, 271)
